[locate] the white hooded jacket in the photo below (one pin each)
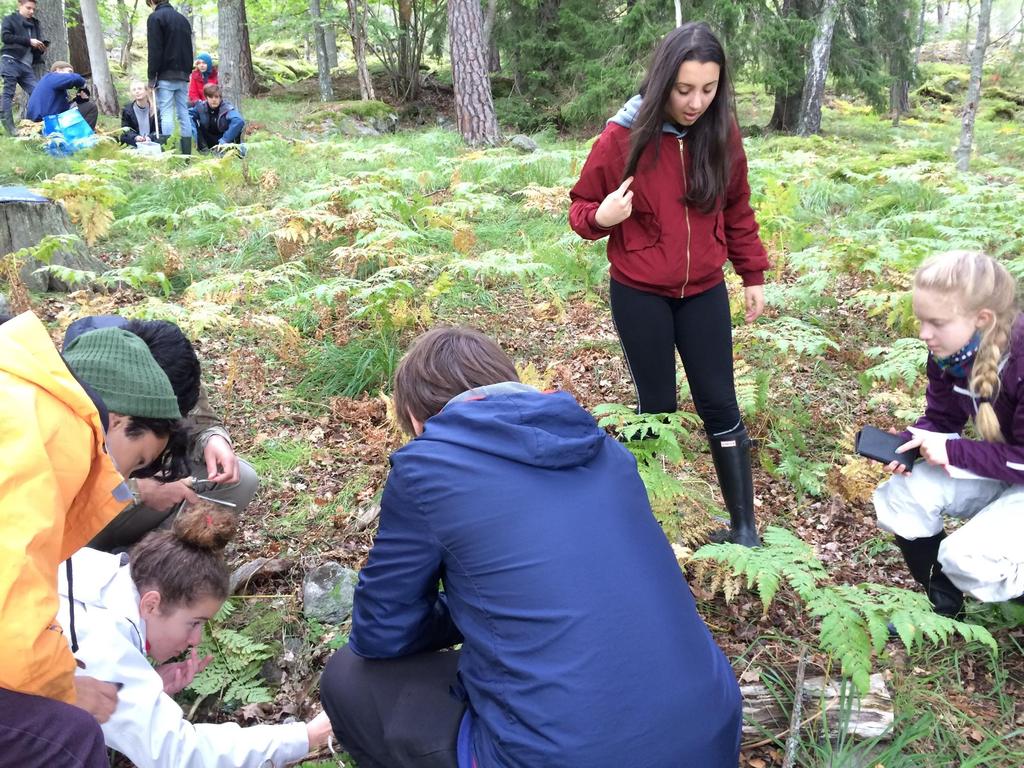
(147, 726)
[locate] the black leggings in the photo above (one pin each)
(651, 329)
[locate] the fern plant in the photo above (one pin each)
(790, 334)
(903, 361)
(853, 619)
(234, 673)
(653, 439)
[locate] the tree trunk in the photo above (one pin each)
(323, 66)
(493, 55)
(919, 38)
(900, 67)
(79, 47)
(789, 95)
(229, 33)
(25, 224)
(50, 14)
(966, 46)
(408, 65)
(679, 13)
(103, 85)
(246, 70)
(357, 31)
(331, 35)
(817, 70)
(474, 106)
(963, 152)
(127, 19)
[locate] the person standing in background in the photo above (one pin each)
(23, 48)
(169, 68)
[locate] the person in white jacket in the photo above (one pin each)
(157, 602)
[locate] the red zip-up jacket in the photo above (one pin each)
(666, 247)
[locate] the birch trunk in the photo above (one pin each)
(963, 152)
(474, 105)
(323, 65)
(817, 70)
(357, 31)
(103, 85)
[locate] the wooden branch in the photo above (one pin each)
(794, 719)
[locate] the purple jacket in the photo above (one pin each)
(950, 404)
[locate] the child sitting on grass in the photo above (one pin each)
(138, 118)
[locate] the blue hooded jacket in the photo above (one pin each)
(581, 641)
(50, 96)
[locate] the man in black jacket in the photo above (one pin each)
(170, 66)
(23, 47)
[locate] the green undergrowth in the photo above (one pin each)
(318, 259)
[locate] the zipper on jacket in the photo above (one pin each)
(686, 212)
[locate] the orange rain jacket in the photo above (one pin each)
(57, 488)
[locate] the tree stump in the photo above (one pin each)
(25, 219)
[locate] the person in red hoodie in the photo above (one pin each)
(203, 74)
(666, 182)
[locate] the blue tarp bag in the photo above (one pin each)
(67, 133)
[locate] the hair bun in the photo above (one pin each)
(205, 525)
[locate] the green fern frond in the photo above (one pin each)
(853, 619)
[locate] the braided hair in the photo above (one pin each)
(976, 282)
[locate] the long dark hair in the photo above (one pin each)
(709, 136)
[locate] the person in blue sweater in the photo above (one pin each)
(218, 124)
(50, 96)
(581, 642)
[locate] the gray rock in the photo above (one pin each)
(523, 143)
(350, 126)
(385, 124)
(327, 593)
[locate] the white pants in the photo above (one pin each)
(984, 557)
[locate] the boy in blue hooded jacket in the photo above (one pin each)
(581, 643)
(50, 96)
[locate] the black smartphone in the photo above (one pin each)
(877, 444)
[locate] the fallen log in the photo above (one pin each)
(867, 716)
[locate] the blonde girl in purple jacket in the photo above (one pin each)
(967, 306)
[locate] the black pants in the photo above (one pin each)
(15, 73)
(652, 328)
(394, 713)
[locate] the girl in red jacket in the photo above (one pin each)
(203, 74)
(667, 183)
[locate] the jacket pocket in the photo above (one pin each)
(720, 228)
(640, 230)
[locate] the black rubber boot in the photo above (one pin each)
(185, 144)
(731, 453)
(922, 557)
(7, 119)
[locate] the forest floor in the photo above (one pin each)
(303, 271)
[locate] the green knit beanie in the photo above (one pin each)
(118, 365)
